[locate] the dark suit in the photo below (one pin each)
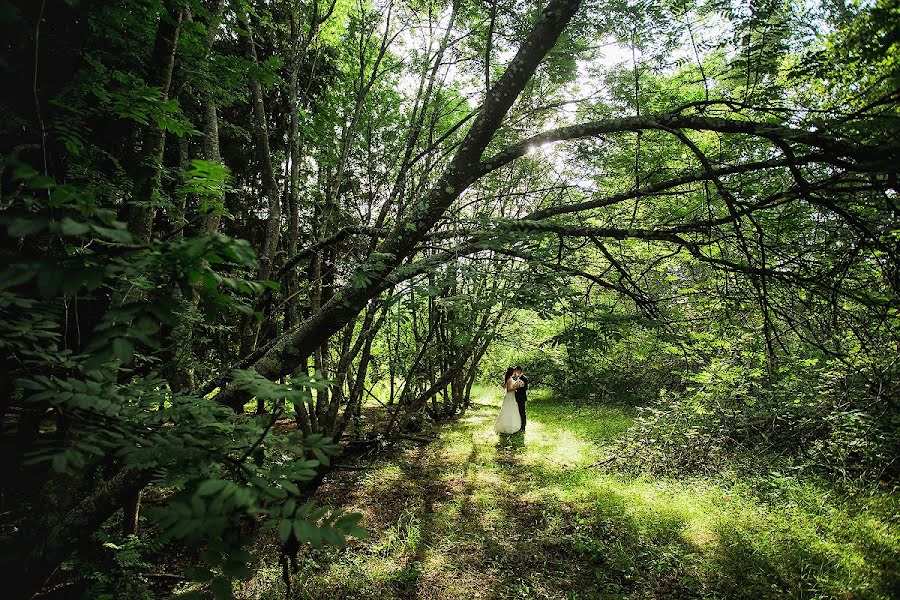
(522, 398)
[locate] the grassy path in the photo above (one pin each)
(468, 517)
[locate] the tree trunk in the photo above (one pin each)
(142, 210)
(182, 374)
(270, 188)
(291, 286)
(131, 507)
(210, 118)
(289, 352)
(181, 370)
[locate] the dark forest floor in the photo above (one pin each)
(469, 516)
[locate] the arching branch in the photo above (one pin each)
(836, 151)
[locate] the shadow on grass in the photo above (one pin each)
(475, 515)
(511, 442)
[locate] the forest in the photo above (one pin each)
(264, 264)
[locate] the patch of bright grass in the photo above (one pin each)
(477, 516)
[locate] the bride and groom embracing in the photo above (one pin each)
(512, 414)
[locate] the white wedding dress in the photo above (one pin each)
(508, 421)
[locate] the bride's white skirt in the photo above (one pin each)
(508, 421)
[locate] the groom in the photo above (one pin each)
(521, 393)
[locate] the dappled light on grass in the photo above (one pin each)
(556, 446)
(478, 516)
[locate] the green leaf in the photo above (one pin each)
(291, 487)
(98, 358)
(211, 486)
(284, 530)
(321, 456)
(116, 235)
(123, 349)
(307, 532)
(349, 524)
(69, 226)
(290, 506)
(25, 226)
(333, 537)
(221, 588)
(59, 462)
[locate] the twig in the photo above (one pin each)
(603, 462)
(56, 588)
(34, 87)
(165, 576)
(275, 415)
(352, 467)
(417, 438)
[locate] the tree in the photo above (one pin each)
(318, 198)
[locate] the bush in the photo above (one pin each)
(823, 415)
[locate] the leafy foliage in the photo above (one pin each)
(345, 213)
(142, 425)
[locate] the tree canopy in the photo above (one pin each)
(300, 208)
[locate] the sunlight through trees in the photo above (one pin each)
(253, 247)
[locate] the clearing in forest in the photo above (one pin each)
(529, 517)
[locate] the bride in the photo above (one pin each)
(509, 421)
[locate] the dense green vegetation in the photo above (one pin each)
(536, 517)
(255, 253)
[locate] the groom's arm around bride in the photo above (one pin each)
(522, 395)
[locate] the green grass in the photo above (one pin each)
(473, 517)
